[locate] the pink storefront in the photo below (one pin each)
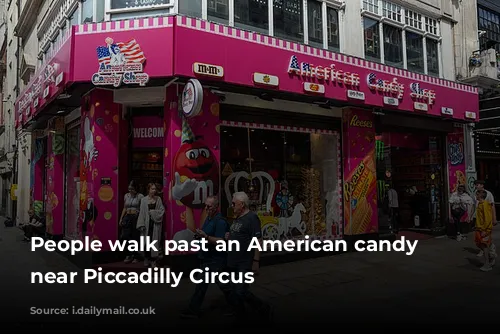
(318, 140)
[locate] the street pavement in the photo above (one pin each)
(439, 284)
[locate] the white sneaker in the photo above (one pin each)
(486, 267)
(480, 254)
(493, 261)
(459, 237)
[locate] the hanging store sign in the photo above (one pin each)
(43, 81)
(447, 111)
(120, 63)
(208, 70)
(421, 106)
(266, 79)
(314, 88)
(391, 101)
(192, 98)
(308, 70)
(356, 95)
(470, 115)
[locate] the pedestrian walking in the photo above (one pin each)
(244, 228)
(392, 196)
(128, 220)
(461, 206)
(484, 226)
(214, 229)
(479, 185)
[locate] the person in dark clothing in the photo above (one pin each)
(128, 219)
(213, 230)
(245, 227)
(34, 227)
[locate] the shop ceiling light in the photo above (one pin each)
(61, 112)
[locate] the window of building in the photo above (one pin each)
(218, 11)
(393, 46)
(401, 26)
(332, 20)
(432, 56)
(124, 4)
(125, 9)
(413, 19)
(415, 52)
(99, 11)
(191, 8)
(288, 19)
(372, 39)
(431, 26)
(489, 22)
(315, 23)
(252, 15)
(74, 18)
(391, 11)
(88, 11)
(57, 40)
(294, 180)
(72, 181)
(371, 6)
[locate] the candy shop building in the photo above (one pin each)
(318, 140)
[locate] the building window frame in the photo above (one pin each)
(109, 12)
(408, 20)
(487, 21)
(326, 5)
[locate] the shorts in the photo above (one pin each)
(482, 238)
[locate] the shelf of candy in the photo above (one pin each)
(138, 166)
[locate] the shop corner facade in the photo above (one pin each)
(320, 141)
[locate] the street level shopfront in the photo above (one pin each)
(214, 110)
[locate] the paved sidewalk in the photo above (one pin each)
(441, 280)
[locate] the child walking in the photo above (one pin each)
(484, 226)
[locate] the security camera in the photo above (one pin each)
(481, 33)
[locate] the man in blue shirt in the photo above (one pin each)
(213, 230)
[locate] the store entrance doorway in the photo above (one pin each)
(146, 140)
(410, 179)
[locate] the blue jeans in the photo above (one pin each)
(214, 265)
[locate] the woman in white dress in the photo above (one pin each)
(150, 222)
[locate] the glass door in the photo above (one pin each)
(72, 181)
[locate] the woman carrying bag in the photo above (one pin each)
(150, 223)
(128, 220)
(460, 205)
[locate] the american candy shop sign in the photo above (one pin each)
(332, 74)
(120, 63)
(422, 95)
(393, 87)
(40, 89)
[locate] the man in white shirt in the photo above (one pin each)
(479, 185)
(392, 196)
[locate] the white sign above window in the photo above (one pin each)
(122, 4)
